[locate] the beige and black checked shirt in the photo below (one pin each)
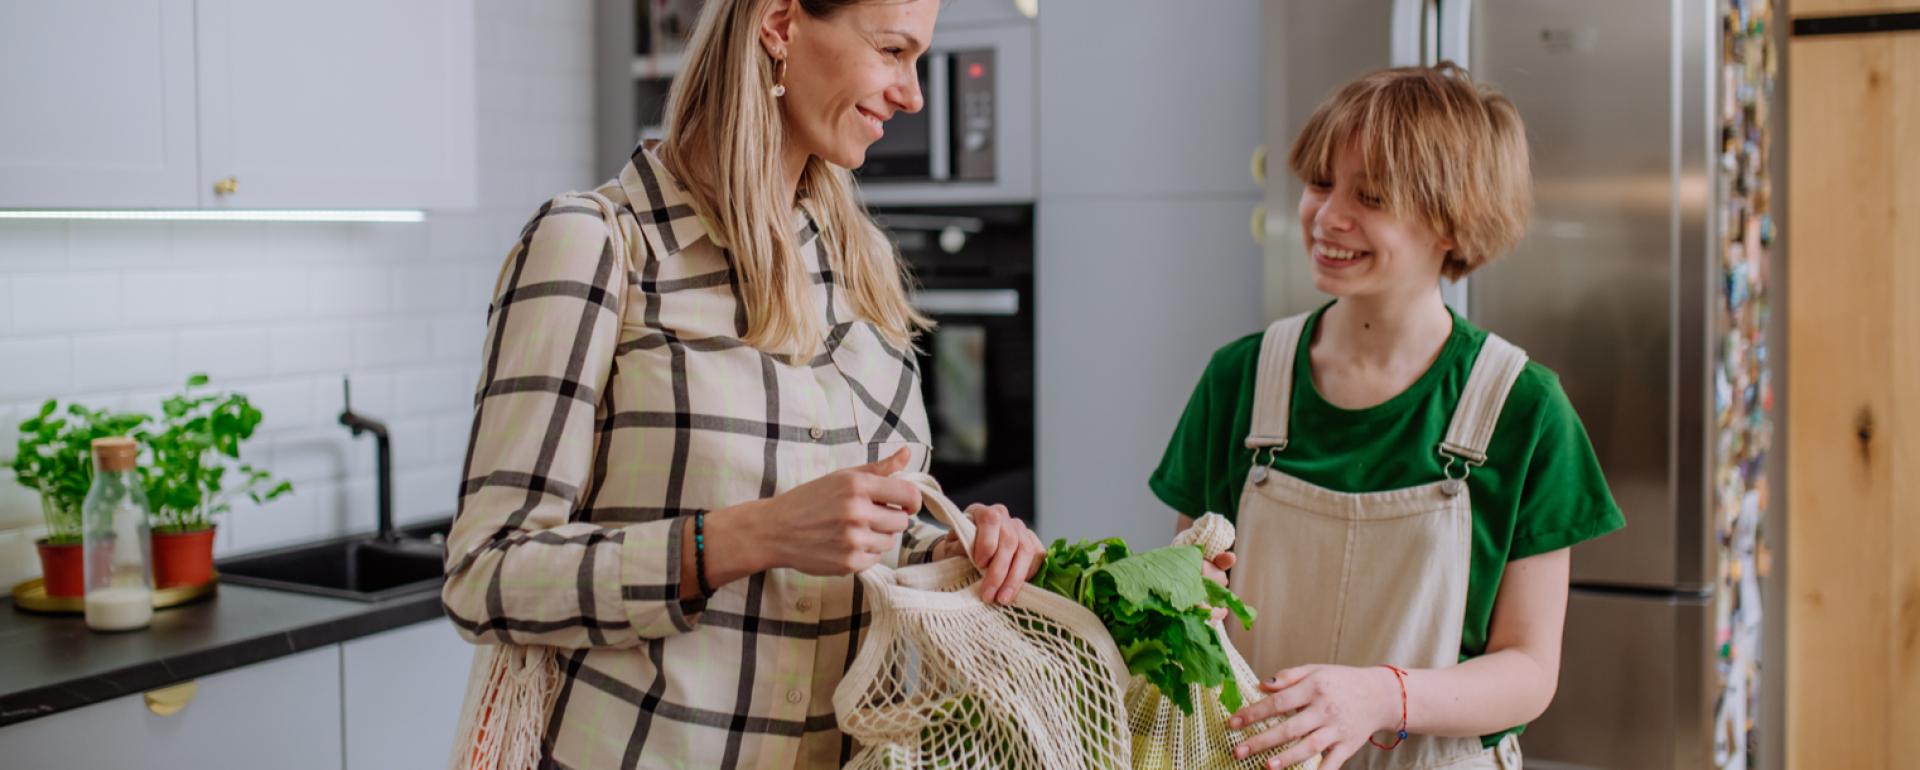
(617, 399)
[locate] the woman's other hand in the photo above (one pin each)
(1007, 553)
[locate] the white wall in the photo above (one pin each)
(1149, 113)
(116, 314)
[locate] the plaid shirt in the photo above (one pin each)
(616, 399)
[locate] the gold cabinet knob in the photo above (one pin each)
(226, 186)
(1259, 224)
(168, 701)
(1257, 166)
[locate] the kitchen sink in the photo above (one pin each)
(366, 568)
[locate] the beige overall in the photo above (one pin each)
(1361, 579)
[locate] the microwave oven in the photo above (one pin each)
(972, 142)
(952, 137)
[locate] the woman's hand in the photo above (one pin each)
(1339, 707)
(1007, 553)
(838, 524)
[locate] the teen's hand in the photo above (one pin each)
(1334, 710)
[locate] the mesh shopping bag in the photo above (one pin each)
(1166, 738)
(945, 681)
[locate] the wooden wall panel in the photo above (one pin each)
(1853, 318)
(1836, 7)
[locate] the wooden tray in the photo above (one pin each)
(31, 596)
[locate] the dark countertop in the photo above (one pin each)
(50, 663)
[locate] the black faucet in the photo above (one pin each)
(383, 446)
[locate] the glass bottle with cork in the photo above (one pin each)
(119, 594)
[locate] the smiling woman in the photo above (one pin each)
(699, 385)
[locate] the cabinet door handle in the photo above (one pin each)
(1257, 165)
(168, 701)
(226, 186)
(1259, 224)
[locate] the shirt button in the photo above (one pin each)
(816, 432)
(805, 605)
(795, 696)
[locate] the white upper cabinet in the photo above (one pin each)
(98, 106)
(337, 104)
(256, 104)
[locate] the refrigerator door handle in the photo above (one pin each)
(1456, 31)
(1408, 18)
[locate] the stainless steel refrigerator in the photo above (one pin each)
(1622, 287)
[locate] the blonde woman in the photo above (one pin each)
(698, 381)
(1405, 485)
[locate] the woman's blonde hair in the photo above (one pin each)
(1440, 149)
(724, 140)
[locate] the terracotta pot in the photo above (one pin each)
(63, 568)
(182, 558)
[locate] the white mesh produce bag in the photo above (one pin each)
(1166, 738)
(945, 681)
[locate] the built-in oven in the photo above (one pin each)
(973, 266)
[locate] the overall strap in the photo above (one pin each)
(1494, 372)
(1273, 384)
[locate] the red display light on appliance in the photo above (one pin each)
(976, 70)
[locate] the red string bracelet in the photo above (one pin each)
(1400, 733)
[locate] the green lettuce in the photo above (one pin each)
(1156, 604)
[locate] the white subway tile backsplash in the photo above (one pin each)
(224, 354)
(122, 361)
(413, 442)
(425, 493)
(458, 337)
(390, 244)
(33, 245)
(18, 559)
(372, 396)
(450, 436)
(353, 508)
(311, 348)
(119, 245)
(284, 405)
(263, 294)
(170, 297)
(392, 343)
(464, 235)
(349, 292)
(66, 302)
(439, 389)
(224, 244)
(315, 455)
(284, 521)
(311, 243)
(429, 288)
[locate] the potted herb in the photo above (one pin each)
(54, 459)
(194, 473)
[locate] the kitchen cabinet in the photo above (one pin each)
(99, 104)
(255, 104)
(283, 713)
(403, 690)
(341, 104)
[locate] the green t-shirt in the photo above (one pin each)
(1540, 490)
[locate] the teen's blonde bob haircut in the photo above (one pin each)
(724, 140)
(1437, 148)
